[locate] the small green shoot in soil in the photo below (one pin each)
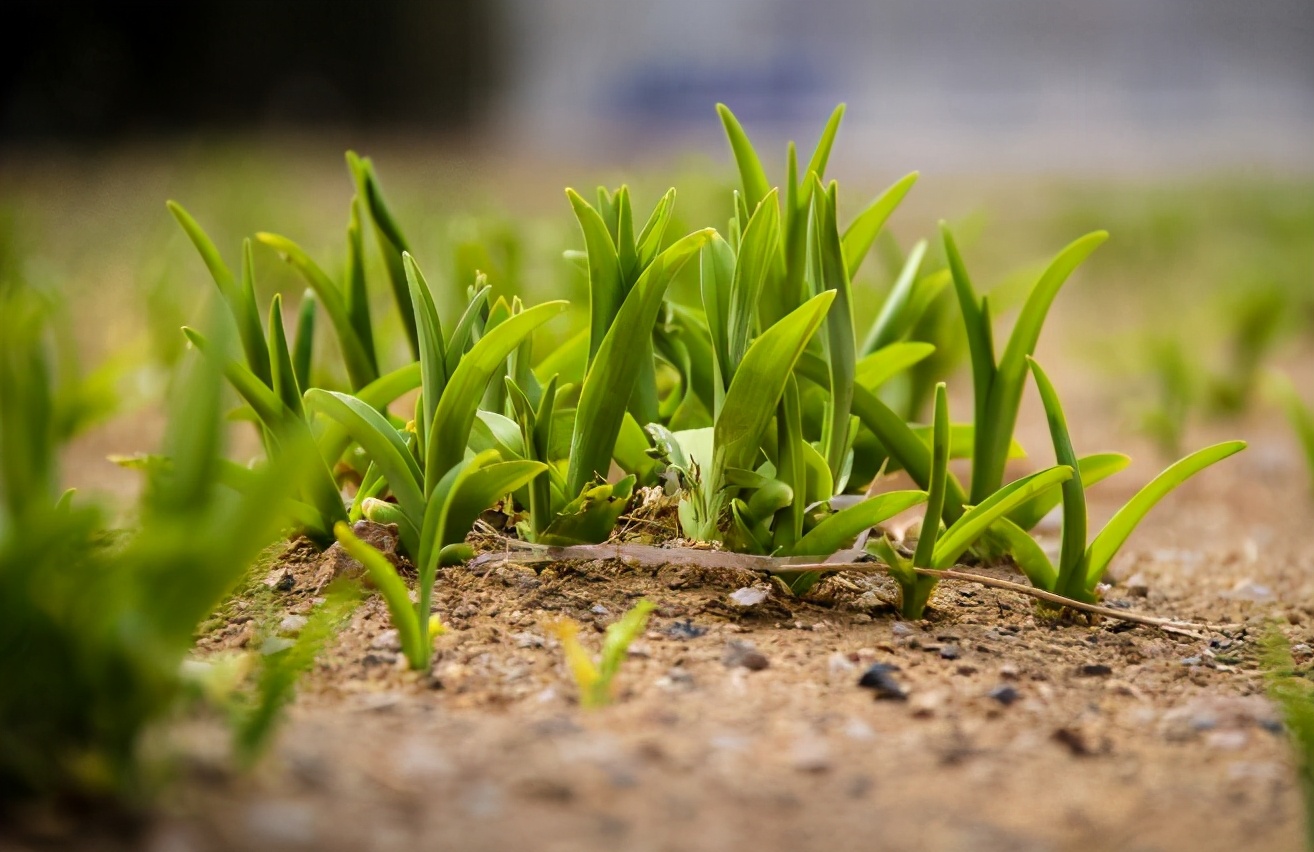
(595, 680)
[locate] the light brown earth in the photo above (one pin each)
(1121, 737)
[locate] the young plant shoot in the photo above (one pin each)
(595, 680)
(1081, 567)
(936, 550)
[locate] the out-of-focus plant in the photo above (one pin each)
(256, 711)
(1301, 417)
(1293, 692)
(94, 624)
(595, 680)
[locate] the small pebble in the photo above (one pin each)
(748, 596)
(1008, 671)
(1005, 694)
(950, 652)
(292, 624)
(743, 655)
(599, 609)
(387, 640)
(901, 629)
(880, 678)
(1094, 670)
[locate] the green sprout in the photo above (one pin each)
(595, 680)
(997, 385)
(1081, 567)
(938, 550)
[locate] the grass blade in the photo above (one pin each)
(861, 234)
(924, 555)
(1094, 468)
(361, 367)
(433, 370)
(751, 174)
(606, 289)
(391, 242)
(614, 372)
(280, 360)
(975, 521)
(887, 362)
(455, 412)
(1071, 576)
(832, 533)
(893, 321)
(241, 301)
(760, 380)
(1027, 554)
(1115, 533)
(303, 346)
(840, 345)
(1006, 388)
(394, 592)
(381, 442)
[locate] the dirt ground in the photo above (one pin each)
(745, 727)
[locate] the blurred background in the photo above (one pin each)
(1185, 127)
(985, 84)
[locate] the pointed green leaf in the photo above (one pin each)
(303, 346)
(833, 532)
(1010, 376)
(613, 373)
(1115, 533)
(924, 555)
(760, 380)
(894, 321)
(460, 399)
(861, 233)
(381, 442)
(751, 174)
(360, 365)
(606, 290)
(967, 529)
(887, 362)
(1073, 552)
(1027, 554)
(280, 360)
(1094, 468)
(241, 300)
(394, 591)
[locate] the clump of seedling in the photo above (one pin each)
(595, 679)
(95, 623)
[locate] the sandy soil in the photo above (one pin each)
(1016, 733)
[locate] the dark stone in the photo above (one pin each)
(1094, 670)
(880, 679)
(1004, 694)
